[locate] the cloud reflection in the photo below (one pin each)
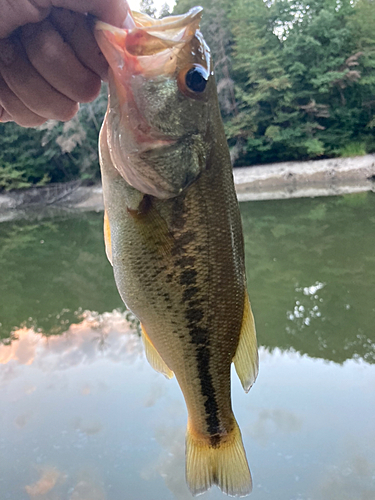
(49, 477)
(23, 349)
(352, 478)
(274, 422)
(89, 427)
(87, 488)
(171, 463)
(107, 335)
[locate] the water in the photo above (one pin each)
(83, 416)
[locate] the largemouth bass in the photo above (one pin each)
(173, 230)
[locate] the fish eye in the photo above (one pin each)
(192, 80)
(195, 79)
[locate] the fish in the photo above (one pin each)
(173, 233)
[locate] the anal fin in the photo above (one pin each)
(246, 359)
(224, 465)
(153, 357)
(107, 237)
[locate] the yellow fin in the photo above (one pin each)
(153, 357)
(224, 465)
(246, 359)
(107, 237)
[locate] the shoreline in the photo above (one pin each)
(330, 177)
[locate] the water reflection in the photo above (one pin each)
(52, 270)
(311, 269)
(109, 334)
(83, 416)
(310, 263)
(80, 421)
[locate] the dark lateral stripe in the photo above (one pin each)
(208, 391)
(199, 338)
(194, 315)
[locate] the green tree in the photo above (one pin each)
(362, 24)
(304, 77)
(54, 152)
(164, 11)
(261, 82)
(148, 7)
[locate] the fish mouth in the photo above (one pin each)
(153, 46)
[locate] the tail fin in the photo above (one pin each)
(224, 465)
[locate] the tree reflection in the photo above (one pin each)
(310, 266)
(311, 273)
(51, 271)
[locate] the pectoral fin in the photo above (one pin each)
(107, 237)
(153, 357)
(246, 357)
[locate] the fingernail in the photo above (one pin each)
(7, 52)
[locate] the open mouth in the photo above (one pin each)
(150, 48)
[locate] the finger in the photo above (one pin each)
(15, 13)
(109, 11)
(15, 110)
(56, 62)
(75, 30)
(29, 86)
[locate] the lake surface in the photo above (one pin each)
(84, 417)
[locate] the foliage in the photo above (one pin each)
(53, 152)
(164, 11)
(353, 149)
(315, 100)
(148, 7)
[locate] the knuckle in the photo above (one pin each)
(21, 12)
(49, 48)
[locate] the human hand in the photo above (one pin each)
(49, 59)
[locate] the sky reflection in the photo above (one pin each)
(85, 417)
